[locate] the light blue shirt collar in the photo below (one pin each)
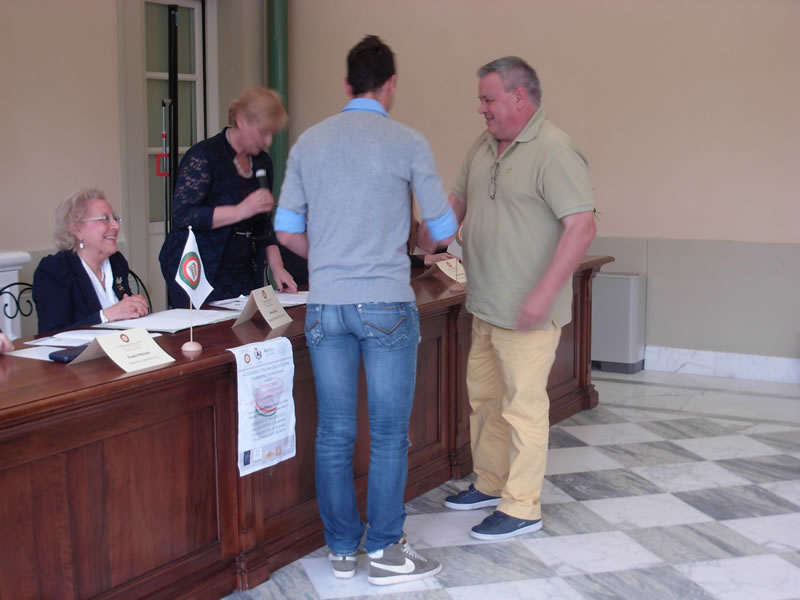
(366, 105)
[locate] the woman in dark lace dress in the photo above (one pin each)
(218, 194)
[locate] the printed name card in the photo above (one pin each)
(453, 269)
(265, 301)
(131, 350)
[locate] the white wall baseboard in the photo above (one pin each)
(723, 364)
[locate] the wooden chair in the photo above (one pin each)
(137, 287)
(17, 300)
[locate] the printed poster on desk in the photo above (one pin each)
(265, 378)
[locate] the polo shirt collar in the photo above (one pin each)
(366, 105)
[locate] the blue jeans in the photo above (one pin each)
(386, 334)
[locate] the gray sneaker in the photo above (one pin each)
(344, 567)
(399, 563)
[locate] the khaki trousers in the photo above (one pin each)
(507, 375)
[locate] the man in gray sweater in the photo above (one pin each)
(345, 205)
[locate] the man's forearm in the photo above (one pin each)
(579, 231)
(296, 242)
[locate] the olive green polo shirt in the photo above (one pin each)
(509, 241)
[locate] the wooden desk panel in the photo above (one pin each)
(117, 485)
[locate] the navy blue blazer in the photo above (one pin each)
(64, 294)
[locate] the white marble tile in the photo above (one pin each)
(328, 587)
(711, 401)
(639, 415)
(765, 577)
(615, 433)
(726, 446)
(763, 427)
(451, 528)
(591, 553)
(790, 490)
(723, 364)
(680, 477)
(553, 495)
(576, 460)
(744, 386)
(779, 533)
(656, 510)
(551, 588)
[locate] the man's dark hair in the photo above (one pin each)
(369, 64)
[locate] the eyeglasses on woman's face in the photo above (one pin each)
(105, 219)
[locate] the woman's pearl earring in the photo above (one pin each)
(80, 244)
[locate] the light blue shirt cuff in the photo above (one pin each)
(289, 221)
(444, 226)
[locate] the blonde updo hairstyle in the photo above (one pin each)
(70, 211)
(259, 105)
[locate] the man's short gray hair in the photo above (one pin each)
(515, 73)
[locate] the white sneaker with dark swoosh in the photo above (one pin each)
(399, 563)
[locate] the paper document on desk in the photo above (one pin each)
(285, 298)
(170, 321)
(37, 352)
(70, 339)
(265, 376)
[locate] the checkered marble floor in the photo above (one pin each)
(675, 486)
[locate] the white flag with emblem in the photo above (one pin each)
(190, 274)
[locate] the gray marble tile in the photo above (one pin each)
(288, 583)
(695, 542)
(788, 441)
(613, 483)
(692, 428)
(431, 502)
(792, 557)
(570, 518)
(737, 502)
(654, 583)
(648, 453)
(599, 415)
(487, 563)
(761, 469)
(561, 439)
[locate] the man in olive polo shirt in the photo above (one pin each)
(526, 203)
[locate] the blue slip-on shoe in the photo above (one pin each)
(470, 499)
(500, 526)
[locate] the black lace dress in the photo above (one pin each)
(233, 256)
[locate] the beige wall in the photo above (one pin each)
(687, 110)
(60, 119)
(242, 50)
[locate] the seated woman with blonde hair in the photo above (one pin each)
(87, 281)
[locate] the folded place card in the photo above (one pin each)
(453, 269)
(265, 301)
(131, 350)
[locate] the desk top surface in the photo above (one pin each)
(29, 387)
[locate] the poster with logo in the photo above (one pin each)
(265, 404)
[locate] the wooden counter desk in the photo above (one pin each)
(117, 485)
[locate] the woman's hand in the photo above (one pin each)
(431, 259)
(283, 280)
(255, 203)
(130, 307)
(5, 344)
